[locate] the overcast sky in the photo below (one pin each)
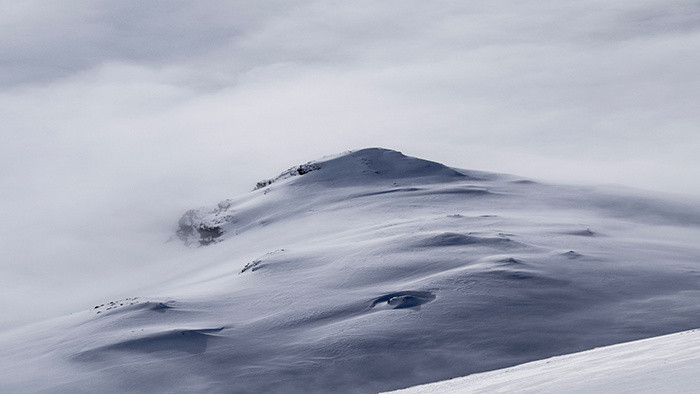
(119, 115)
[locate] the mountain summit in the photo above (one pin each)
(363, 168)
(369, 165)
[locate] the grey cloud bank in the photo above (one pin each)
(117, 116)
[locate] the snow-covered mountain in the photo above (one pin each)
(370, 271)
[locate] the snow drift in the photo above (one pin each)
(375, 271)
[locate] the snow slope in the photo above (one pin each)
(667, 364)
(375, 271)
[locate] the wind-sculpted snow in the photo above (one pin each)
(404, 299)
(373, 272)
(453, 239)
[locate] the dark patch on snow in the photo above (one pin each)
(572, 254)
(397, 190)
(583, 233)
(208, 235)
(252, 266)
(192, 229)
(510, 261)
(294, 171)
(514, 275)
(454, 239)
(524, 182)
(404, 299)
(108, 306)
(134, 303)
(185, 229)
(467, 191)
(258, 263)
(161, 307)
(306, 168)
(263, 183)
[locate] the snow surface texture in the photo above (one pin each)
(668, 364)
(376, 271)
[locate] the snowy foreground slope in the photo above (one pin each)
(667, 364)
(373, 271)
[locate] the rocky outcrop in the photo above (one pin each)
(201, 227)
(294, 171)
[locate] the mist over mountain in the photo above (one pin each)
(371, 270)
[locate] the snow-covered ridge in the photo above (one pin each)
(204, 226)
(666, 364)
(373, 272)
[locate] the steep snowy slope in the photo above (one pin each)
(374, 271)
(667, 364)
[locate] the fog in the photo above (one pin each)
(119, 116)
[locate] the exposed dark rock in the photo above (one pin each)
(192, 230)
(208, 235)
(251, 266)
(294, 171)
(404, 299)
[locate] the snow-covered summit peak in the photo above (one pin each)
(367, 165)
(368, 170)
(385, 164)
